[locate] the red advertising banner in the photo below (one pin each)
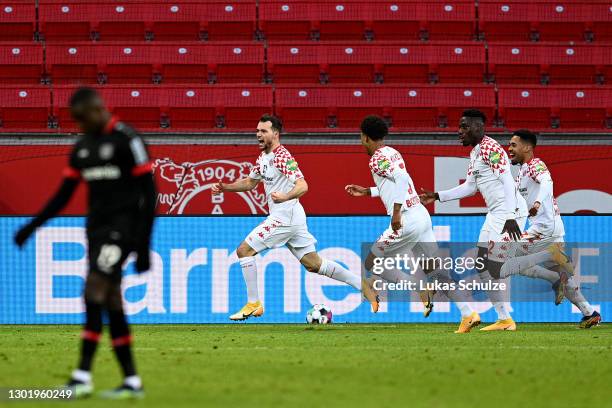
(30, 174)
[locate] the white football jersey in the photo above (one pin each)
(529, 182)
(279, 171)
(488, 161)
(386, 165)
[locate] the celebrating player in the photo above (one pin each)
(113, 160)
(410, 228)
(284, 184)
(489, 173)
(543, 240)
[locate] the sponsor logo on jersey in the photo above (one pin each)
(108, 172)
(106, 151)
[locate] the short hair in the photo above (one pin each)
(277, 124)
(475, 114)
(527, 136)
(374, 127)
(83, 95)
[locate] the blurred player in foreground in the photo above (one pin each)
(489, 173)
(284, 184)
(113, 160)
(410, 229)
(543, 240)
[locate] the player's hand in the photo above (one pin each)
(396, 221)
(143, 262)
(23, 234)
(356, 191)
(513, 230)
(427, 197)
(278, 197)
(534, 210)
(217, 188)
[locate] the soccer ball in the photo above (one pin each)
(319, 314)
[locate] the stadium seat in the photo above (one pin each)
(406, 108)
(137, 20)
(565, 107)
(21, 63)
(24, 108)
(17, 20)
(545, 20)
(359, 19)
(550, 63)
(145, 63)
(166, 108)
(336, 63)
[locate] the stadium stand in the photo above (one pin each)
(24, 108)
(139, 20)
(21, 63)
(566, 107)
(17, 21)
(153, 108)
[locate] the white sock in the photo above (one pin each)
(82, 376)
(497, 297)
(540, 272)
(249, 272)
(518, 264)
(457, 296)
(335, 271)
(574, 295)
(464, 308)
(133, 381)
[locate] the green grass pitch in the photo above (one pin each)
(344, 365)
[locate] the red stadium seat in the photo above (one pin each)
(24, 108)
(549, 63)
(139, 20)
(359, 19)
(144, 63)
(21, 63)
(545, 20)
(586, 108)
(165, 108)
(17, 20)
(407, 108)
(376, 62)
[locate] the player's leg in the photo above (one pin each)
(96, 287)
(270, 233)
(121, 339)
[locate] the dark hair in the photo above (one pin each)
(374, 127)
(475, 114)
(83, 95)
(277, 124)
(527, 136)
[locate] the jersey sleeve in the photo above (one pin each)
(494, 156)
(71, 171)
(381, 165)
(255, 172)
(287, 165)
(138, 150)
(539, 172)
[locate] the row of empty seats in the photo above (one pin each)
(207, 108)
(110, 20)
(297, 62)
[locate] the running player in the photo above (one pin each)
(112, 159)
(284, 184)
(489, 173)
(543, 240)
(410, 228)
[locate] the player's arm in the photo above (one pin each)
(53, 207)
(244, 184)
(146, 215)
(466, 189)
(299, 189)
(545, 192)
(401, 185)
(359, 191)
(511, 226)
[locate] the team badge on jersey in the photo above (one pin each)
(83, 153)
(106, 151)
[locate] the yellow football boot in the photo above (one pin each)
(370, 294)
(468, 323)
(254, 309)
(506, 324)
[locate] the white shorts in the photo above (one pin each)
(416, 235)
(499, 246)
(532, 243)
(272, 233)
